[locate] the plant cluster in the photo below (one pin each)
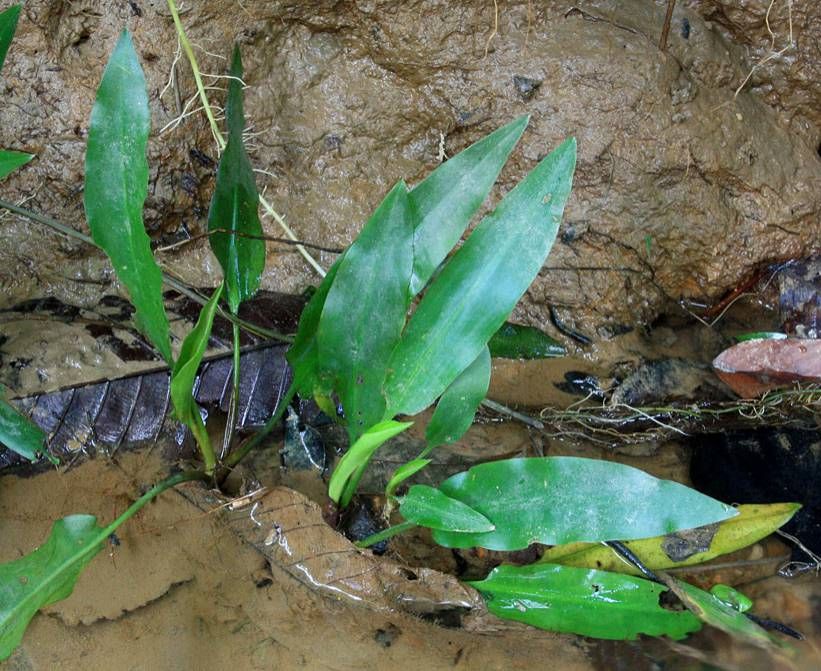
(400, 322)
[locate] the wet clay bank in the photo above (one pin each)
(682, 189)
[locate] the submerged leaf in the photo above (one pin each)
(695, 546)
(8, 24)
(45, 576)
(11, 160)
(429, 507)
(19, 434)
(235, 205)
(514, 341)
(116, 184)
(365, 310)
(554, 500)
(349, 469)
(478, 288)
(581, 601)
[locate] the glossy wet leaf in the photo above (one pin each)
(349, 467)
(479, 286)
(235, 205)
(20, 434)
(514, 341)
(404, 472)
(457, 407)
(713, 611)
(116, 184)
(731, 597)
(581, 601)
(302, 355)
(8, 24)
(428, 507)
(11, 160)
(184, 374)
(752, 523)
(555, 500)
(45, 576)
(365, 311)
(448, 197)
(760, 335)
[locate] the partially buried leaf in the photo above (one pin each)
(428, 507)
(554, 500)
(514, 341)
(365, 310)
(581, 601)
(11, 160)
(478, 288)
(46, 575)
(349, 469)
(8, 24)
(19, 434)
(235, 205)
(457, 407)
(696, 546)
(116, 184)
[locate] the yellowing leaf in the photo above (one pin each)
(686, 548)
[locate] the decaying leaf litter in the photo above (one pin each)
(402, 393)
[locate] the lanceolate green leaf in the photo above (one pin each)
(555, 500)
(404, 472)
(11, 160)
(358, 455)
(8, 24)
(428, 507)
(478, 288)
(116, 184)
(514, 341)
(19, 434)
(451, 195)
(365, 311)
(456, 408)
(685, 548)
(582, 601)
(185, 372)
(234, 206)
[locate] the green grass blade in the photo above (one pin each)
(457, 407)
(235, 205)
(20, 434)
(478, 288)
(184, 374)
(582, 601)
(11, 160)
(555, 500)
(451, 195)
(8, 24)
(116, 184)
(365, 309)
(428, 507)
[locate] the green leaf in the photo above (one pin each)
(302, 355)
(116, 184)
(358, 455)
(404, 472)
(713, 611)
(514, 341)
(457, 407)
(555, 500)
(760, 335)
(752, 523)
(235, 205)
(732, 597)
(365, 310)
(45, 576)
(8, 24)
(478, 288)
(451, 195)
(428, 507)
(11, 160)
(581, 601)
(20, 434)
(184, 374)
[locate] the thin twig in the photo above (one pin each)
(240, 234)
(665, 29)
